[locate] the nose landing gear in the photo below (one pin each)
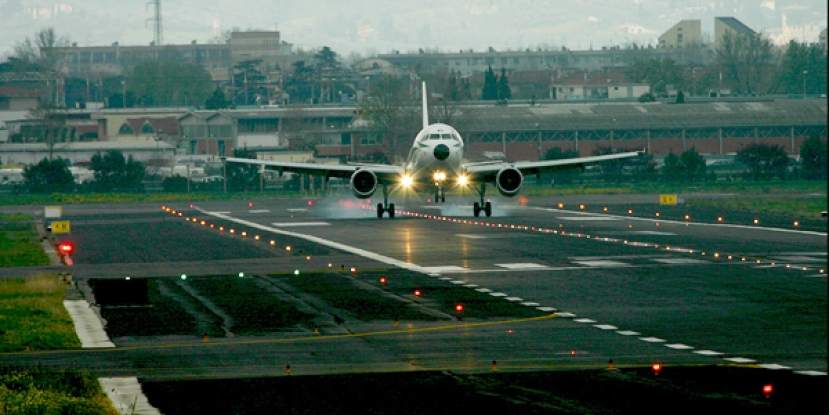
(484, 206)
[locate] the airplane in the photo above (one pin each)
(435, 164)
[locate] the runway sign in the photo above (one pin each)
(52, 212)
(60, 227)
(667, 199)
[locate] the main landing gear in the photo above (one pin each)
(385, 206)
(440, 196)
(477, 207)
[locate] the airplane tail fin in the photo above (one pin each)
(425, 108)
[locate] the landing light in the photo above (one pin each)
(407, 181)
(463, 181)
(439, 175)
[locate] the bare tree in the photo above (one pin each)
(39, 49)
(50, 125)
(393, 115)
(296, 128)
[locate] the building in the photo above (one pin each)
(17, 99)
(607, 84)
(723, 25)
(686, 33)
(218, 59)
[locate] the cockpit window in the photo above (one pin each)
(446, 136)
(434, 136)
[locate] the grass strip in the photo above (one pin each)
(810, 208)
(46, 391)
(32, 314)
(19, 243)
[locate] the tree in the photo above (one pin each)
(249, 82)
(50, 125)
(49, 176)
(490, 90)
(804, 69)
(613, 169)
(451, 89)
(764, 161)
(393, 115)
(562, 174)
(217, 101)
(748, 63)
(113, 171)
(170, 83)
(654, 71)
(813, 159)
(693, 164)
(502, 87)
(688, 166)
(299, 83)
(39, 50)
(242, 176)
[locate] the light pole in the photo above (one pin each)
(124, 94)
(804, 83)
(540, 147)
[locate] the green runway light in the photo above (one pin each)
(296, 272)
(241, 275)
(128, 278)
(184, 276)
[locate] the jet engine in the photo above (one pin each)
(363, 183)
(509, 181)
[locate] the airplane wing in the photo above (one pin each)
(488, 170)
(385, 173)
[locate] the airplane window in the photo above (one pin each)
(446, 136)
(434, 137)
(455, 136)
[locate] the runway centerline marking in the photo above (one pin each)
(299, 224)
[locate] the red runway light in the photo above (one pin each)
(191, 206)
(768, 389)
(66, 248)
(382, 280)
(657, 367)
(310, 203)
(459, 308)
(417, 293)
(250, 204)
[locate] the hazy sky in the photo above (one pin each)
(383, 25)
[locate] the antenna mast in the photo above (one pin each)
(158, 35)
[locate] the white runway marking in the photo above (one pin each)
(605, 327)
(493, 236)
(530, 304)
(707, 352)
(773, 366)
(445, 268)
(628, 333)
(652, 339)
(299, 224)
(260, 211)
(653, 233)
(739, 359)
(679, 346)
(445, 278)
(498, 294)
(88, 327)
(810, 373)
(584, 320)
(593, 218)
(798, 258)
(550, 309)
(483, 290)
(522, 265)
(603, 263)
(470, 285)
(218, 213)
(680, 261)
(458, 282)
(297, 210)
(127, 396)
(514, 299)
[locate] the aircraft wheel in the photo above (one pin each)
(380, 210)
(391, 210)
(488, 209)
(476, 209)
(443, 198)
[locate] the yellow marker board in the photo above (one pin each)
(667, 199)
(60, 227)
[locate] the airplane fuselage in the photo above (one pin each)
(435, 158)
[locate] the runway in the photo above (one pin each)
(602, 286)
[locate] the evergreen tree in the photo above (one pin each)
(490, 91)
(49, 176)
(502, 88)
(113, 171)
(813, 158)
(764, 160)
(217, 101)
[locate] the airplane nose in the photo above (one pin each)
(441, 152)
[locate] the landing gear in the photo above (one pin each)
(385, 206)
(487, 206)
(440, 196)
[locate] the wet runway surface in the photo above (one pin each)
(605, 286)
